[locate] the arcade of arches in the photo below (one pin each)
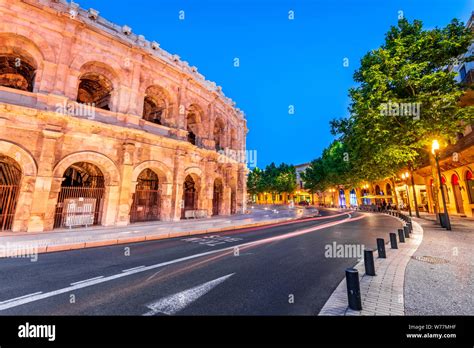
(87, 192)
(458, 185)
(88, 137)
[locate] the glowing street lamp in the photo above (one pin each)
(405, 177)
(435, 152)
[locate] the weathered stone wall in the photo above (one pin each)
(38, 131)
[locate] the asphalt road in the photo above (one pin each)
(277, 270)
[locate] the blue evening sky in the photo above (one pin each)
(282, 62)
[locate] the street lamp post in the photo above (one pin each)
(435, 151)
(417, 211)
(405, 177)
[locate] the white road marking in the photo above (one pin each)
(40, 296)
(21, 297)
(212, 240)
(87, 280)
(132, 269)
(174, 303)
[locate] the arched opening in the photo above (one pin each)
(193, 119)
(353, 198)
(155, 107)
(147, 197)
(10, 177)
(364, 193)
(470, 186)
(190, 195)
(388, 188)
(81, 197)
(218, 134)
(17, 71)
(342, 199)
(217, 197)
(457, 194)
(95, 90)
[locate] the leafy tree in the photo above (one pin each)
(254, 181)
(410, 67)
(272, 179)
(285, 180)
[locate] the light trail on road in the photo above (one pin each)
(100, 279)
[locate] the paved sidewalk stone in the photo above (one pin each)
(382, 294)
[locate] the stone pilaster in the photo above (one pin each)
(127, 186)
(43, 204)
(178, 182)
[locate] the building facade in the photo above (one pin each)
(99, 126)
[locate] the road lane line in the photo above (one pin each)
(21, 297)
(37, 297)
(174, 303)
(132, 269)
(87, 280)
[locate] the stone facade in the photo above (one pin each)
(88, 105)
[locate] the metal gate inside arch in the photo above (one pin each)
(81, 197)
(10, 177)
(146, 199)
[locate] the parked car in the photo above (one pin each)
(306, 203)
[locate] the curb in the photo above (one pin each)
(385, 304)
(51, 248)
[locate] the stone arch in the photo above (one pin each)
(456, 181)
(111, 180)
(98, 84)
(194, 123)
(21, 62)
(30, 34)
(468, 179)
(219, 133)
(158, 106)
(106, 165)
(28, 168)
(162, 170)
(196, 174)
(21, 156)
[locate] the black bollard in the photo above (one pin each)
(353, 289)
(401, 235)
(369, 262)
(410, 227)
(393, 241)
(381, 248)
(406, 230)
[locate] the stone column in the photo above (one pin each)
(166, 213)
(127, 188)
(241, 189)
(43, 198)
(177, 185)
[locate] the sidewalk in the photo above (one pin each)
(383, 293)
(13, 243)
(440, 280)
(431, 274)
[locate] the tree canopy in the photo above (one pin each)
(273, 179)
(406, 96)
